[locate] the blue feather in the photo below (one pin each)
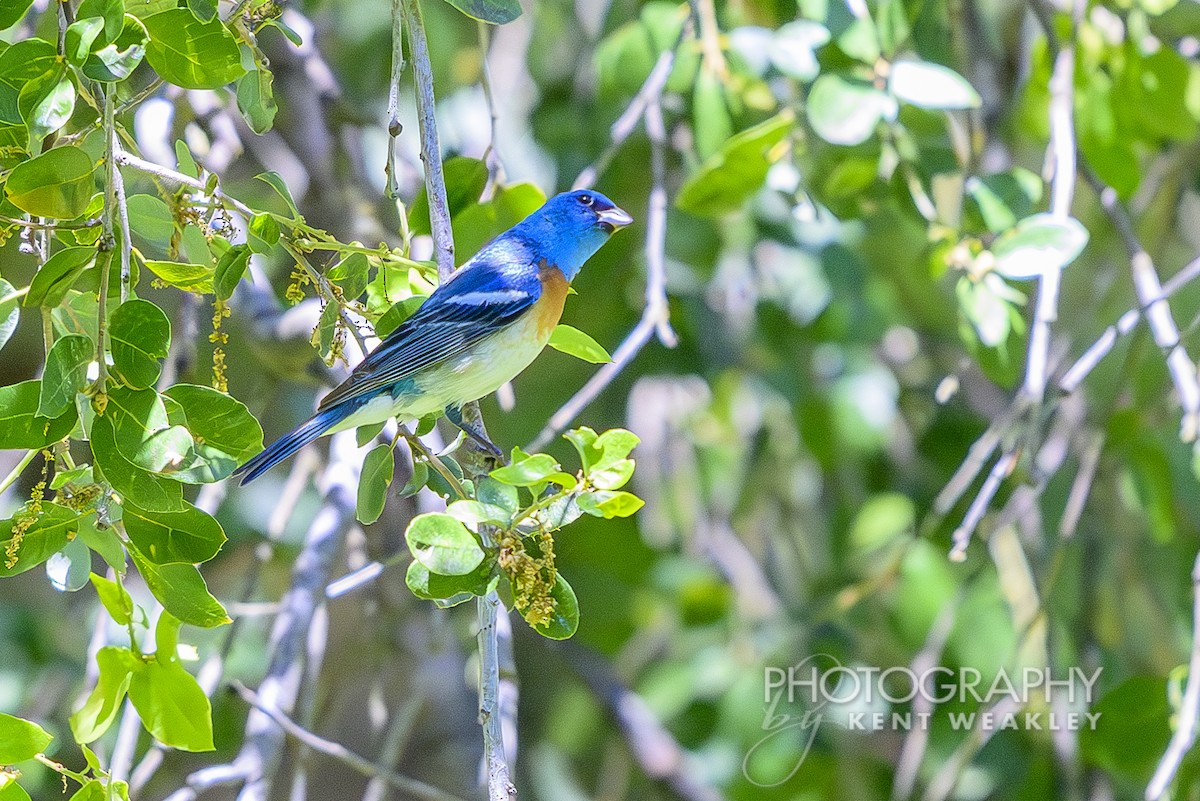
(288, 444)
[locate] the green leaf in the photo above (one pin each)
(115, 598)
(103, 541)
(276, 182)
(93, 719)
(230, 269)
(609, 504)
(931, 86)
(79, 38)
(793, 49)
(94, 790)
(378, 469)
(479, 223)
(10, 311)
(565, 620)
(738, 169)
(172, 706)
(845, 111)
(417, 481)
(443, 545)
(351, 274)
(436, 587)
(474, 513)
(497, 12)
(140, 335)
(65, 374)
(1006, 197)
(112, 12)
(23, 62)
(31, 537)
(465, 179)
(397, 314)
(20, 427)
(117, 60)
(152, 492)
(10, 790)
(196, 278)
(711, 119)
(190, 53)
(525, 471)
(47, 102)
(56, 184)
(181, 590)
(20, 739)
(263, 234)
(56, 277)
(69, 567)
(256, 100)
(12, 11)
(203, 10)
(1038, 244)
(151, 220)
(576, 343)
(490, 491)
(189, 536)
(225, 432)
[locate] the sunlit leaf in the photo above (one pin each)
(443, 545)
(56, 184)
(576, 343)
(1038, 244)
(191, 53)
(932, 86)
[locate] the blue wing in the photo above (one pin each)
(480, 299)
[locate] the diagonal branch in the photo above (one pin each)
(656, 312)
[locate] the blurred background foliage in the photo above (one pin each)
(851, 319)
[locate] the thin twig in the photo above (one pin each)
(1149, 293)
(394, 126)
(1189, 710)
(500, 786)
(656, 312)
(1061, 154)
(431, 152)
(366, 767)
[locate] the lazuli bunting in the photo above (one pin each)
(476, 332)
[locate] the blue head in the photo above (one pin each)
(572, 226)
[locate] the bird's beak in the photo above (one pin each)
(617, 218)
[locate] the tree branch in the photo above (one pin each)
(413, 787)
(431, 152)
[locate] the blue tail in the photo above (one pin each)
(288, 444)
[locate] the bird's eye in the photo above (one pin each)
(587, 200)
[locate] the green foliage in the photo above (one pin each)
(56, 184)
(191, 53)
(497, 12)
(577, 343)
(495, 532)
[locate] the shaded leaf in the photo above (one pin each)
(20, 425)
(738, 170)
(378, 469)
(65, 374)
(181, 590)
(190, 536)
(565, 620)
(56, 277)
(496, 12)
(140, 335)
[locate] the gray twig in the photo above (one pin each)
(656, 312)
(414, 787)
(1189, 711)
(431, 152)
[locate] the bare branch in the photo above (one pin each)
(415, 788)
(431, 152)
(1158, 313)
(656, 313)
(1189, 711)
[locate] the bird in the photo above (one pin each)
(477, 331)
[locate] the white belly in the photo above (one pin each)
(478, 372)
